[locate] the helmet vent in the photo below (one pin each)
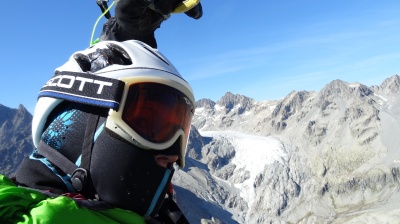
(155, 54)
(102, 58)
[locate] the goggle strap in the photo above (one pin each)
(84, 88)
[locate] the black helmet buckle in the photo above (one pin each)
(79, 178)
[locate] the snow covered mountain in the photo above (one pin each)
(331, 156)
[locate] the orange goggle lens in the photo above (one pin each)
(156, 111)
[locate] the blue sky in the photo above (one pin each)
(260, 49)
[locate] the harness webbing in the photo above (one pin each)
(56, 157)
(80, 176)
(88, 142)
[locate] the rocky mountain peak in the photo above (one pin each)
(290, 104)
(229, 101)
(391, 85)
(205, 103)
(344, 90)
(15, 137)
(17, 117)
(288, 107)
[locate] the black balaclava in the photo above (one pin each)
(128, 176)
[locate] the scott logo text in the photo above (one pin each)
(70, 81)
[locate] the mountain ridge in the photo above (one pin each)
(342, 137)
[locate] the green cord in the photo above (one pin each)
(95, 25)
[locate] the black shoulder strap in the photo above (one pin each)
(56, 158)
(80, 176)
(88, 142)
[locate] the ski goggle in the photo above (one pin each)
(153, 114)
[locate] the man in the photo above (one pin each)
(108, 128)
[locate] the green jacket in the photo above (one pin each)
(22, 205)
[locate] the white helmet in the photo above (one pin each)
(114, 85)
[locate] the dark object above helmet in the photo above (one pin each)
(138, 19)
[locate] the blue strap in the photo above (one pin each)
(158, 192)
